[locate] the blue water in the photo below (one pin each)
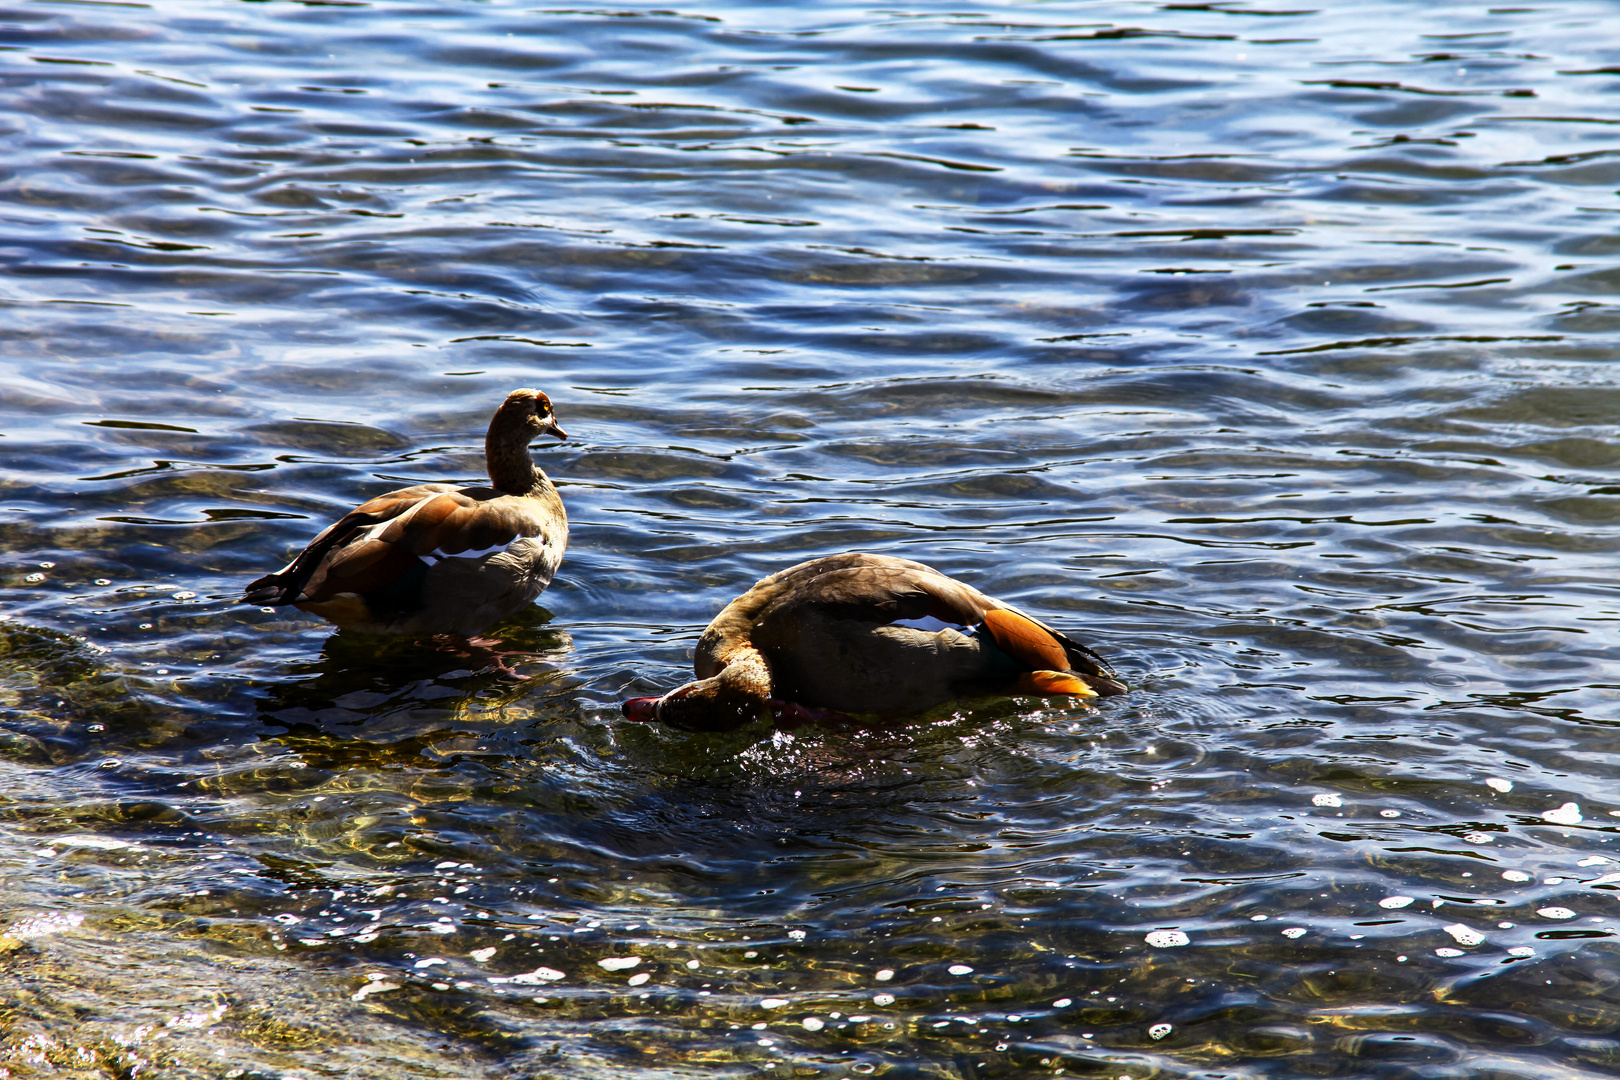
(1266, 349)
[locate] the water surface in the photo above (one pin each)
(1266, 348)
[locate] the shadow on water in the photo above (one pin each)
(382, 685)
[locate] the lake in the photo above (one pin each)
(1270, 349)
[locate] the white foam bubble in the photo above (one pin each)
(532, 978)
(374, 987)
(52, 922)
(103, 843)
(1567, 814)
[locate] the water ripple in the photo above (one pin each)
(1266, 348)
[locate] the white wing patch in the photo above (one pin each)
(436, 555)
(932, 625)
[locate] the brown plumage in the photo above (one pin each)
(868, 633)
(435, 558)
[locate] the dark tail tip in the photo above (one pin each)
(1106, 687)
(266, 592)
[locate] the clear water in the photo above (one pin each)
(1269, 348)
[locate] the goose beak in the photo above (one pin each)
(643, 710)
(550, 428)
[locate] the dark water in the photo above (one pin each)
(1268, 348)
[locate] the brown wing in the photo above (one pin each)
(446, 524)
(471, 519)
(289, 584)
(877, 588)
(882, 589)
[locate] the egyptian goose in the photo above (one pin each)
(867, 633)
(436, 558)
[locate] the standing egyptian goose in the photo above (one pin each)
(436, 558)
(867, 633)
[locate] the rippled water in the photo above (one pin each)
(1269, 349)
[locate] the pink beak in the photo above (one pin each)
(643, 710)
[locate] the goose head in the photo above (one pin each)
(528, 413)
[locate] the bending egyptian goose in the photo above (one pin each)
(867, 633)
(436, 558)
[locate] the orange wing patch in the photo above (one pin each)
(1025, 641)
(1047, 683)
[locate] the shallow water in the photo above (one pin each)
(1268, 349)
